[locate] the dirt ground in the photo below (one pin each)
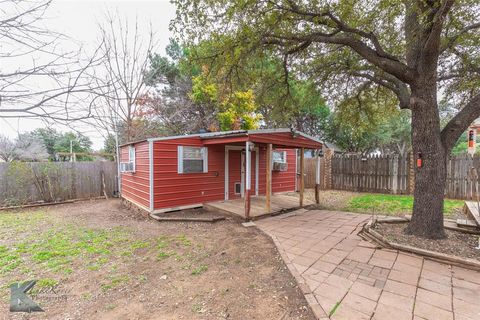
(456, 243)
(332, 199)
(98, 260)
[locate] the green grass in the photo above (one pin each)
(199, 270)
(56, 247)
(37, 245)
(393, 204)
(335, 307)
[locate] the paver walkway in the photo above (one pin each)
(339, 271)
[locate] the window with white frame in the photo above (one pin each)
(192, 159)
(129, 166)
(279, 156)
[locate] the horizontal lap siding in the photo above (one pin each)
(172, 189)
(135, 186)
(282, 181)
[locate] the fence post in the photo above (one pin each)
(411, 173)
(327, 170)
(73, 181)
(394, 174)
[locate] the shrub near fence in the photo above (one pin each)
(27, 182)
(392, 174)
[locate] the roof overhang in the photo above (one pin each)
(286, 138)
(278, 137)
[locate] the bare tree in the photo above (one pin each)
(31, 148)
(25, 148)
(120, 81)
(7, 149)
(37, 78)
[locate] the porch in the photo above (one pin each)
(249, 158)
(278, 203)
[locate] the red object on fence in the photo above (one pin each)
(419, 160)
(471, 138)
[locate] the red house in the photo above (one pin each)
(179, 172)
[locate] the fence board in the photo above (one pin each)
(25, 182)
(391, 174)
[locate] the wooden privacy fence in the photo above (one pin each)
(27, 182)
(390, 174)
(384, 174)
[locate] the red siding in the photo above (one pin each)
(234, 168)
(135, 186)
(282, 181)
(172, 189)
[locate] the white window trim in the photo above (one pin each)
(284, 156)
(131, 150)
(131, 160)
(180, 159)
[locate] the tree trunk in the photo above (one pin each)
(430, 176)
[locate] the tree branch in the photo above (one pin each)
(398, 69)
(451, 40)
(460, 122)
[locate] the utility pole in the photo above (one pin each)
(72, 156)
(117, 150)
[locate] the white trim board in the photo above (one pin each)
(150, 174)
(240, 148)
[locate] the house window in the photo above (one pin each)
(129, 166)
(192, 159)
(279, 156)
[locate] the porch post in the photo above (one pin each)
(302, 174)
(268, 175)
(317, 177)
(248, 179)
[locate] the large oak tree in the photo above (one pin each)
(420, 50)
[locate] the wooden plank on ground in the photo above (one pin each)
(471, 209)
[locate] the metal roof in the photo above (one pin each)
(222, 134)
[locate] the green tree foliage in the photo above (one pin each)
(197, 90)
(49, 137)
(79, 143)
(409, 49)
(370, 121)
(109, 146)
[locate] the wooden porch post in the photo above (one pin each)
(248, 179)
(317, 178)
(268, 175)
(302, 175)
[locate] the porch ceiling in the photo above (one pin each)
(278, 139)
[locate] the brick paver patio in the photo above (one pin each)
(337, 270)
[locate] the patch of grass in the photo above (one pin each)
(335, 307)
(199, 270)
(163, 255)
(59, 246)
(9, 260)
(46, 283)
(115, 281)
(394, 204)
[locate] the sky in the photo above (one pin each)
(78, 20)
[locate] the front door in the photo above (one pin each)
(236, 173)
